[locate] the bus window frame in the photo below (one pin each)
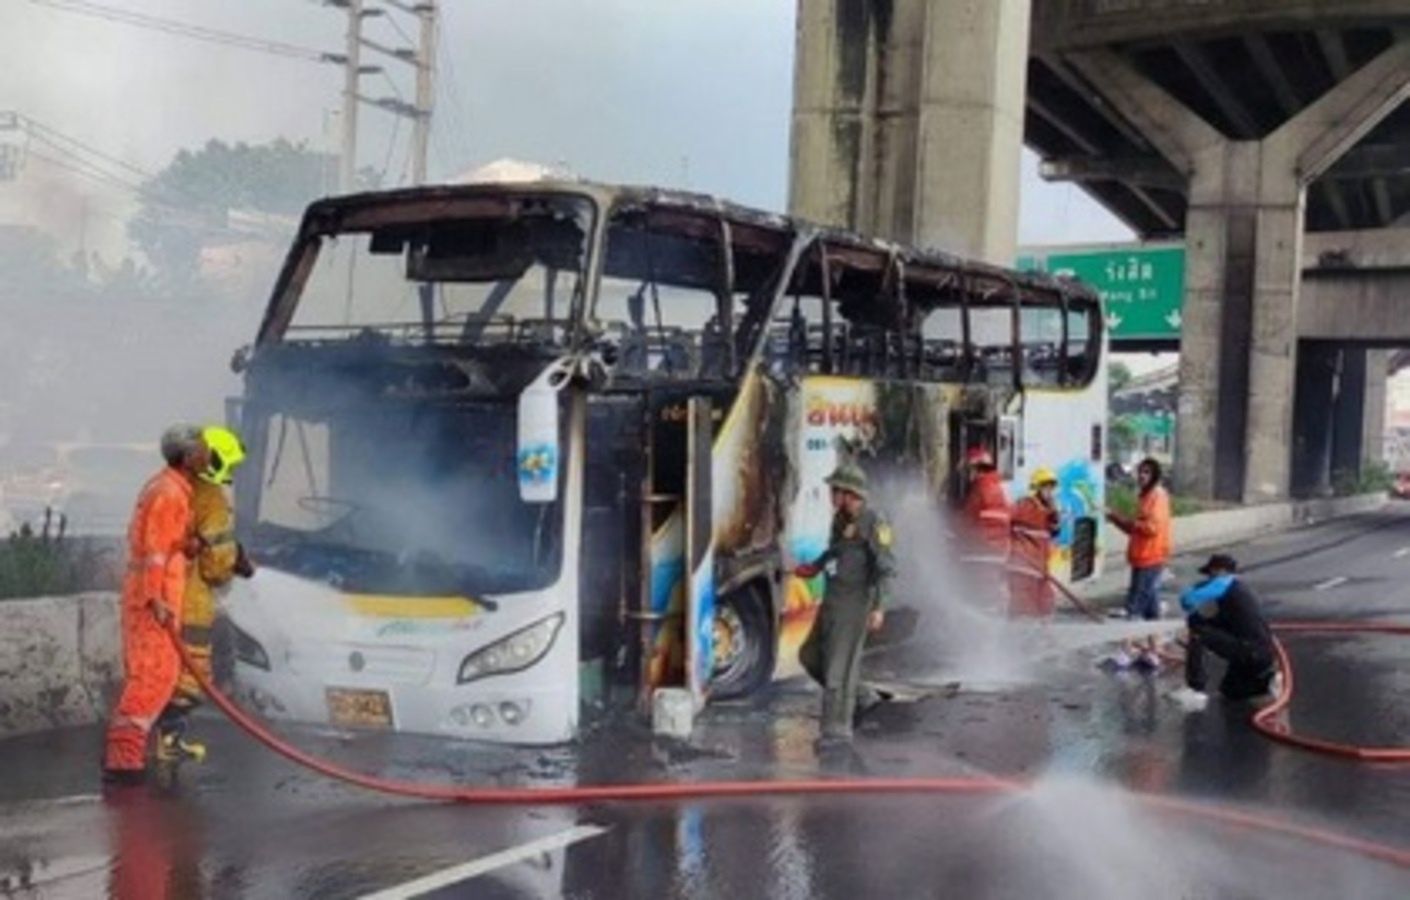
(333, 218)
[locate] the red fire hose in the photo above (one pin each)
(1267, 720)
(1396, 856)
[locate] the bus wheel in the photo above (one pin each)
(744, 651)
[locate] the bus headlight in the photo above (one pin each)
(248, 650)
(514, 653)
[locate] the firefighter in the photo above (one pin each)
(986, 506)
(219, 559)
(159, 541)
(1035, 524)
(859, 567)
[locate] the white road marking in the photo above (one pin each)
(1331, 583)
(1402, 553)
(455, 874)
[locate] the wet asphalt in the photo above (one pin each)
(247, 824)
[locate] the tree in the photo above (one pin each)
(189, 201)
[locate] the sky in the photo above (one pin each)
(694, 93)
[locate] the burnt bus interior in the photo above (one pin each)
(689, 293)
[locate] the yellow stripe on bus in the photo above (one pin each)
(380, 606)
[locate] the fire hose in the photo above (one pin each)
(1268, 720)
(645, 791)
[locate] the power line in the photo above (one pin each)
(187, 30)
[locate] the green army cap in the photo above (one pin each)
(849, 477)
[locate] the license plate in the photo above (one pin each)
(359, 709)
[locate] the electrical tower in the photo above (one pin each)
(422, 58)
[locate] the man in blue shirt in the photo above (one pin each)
(1225, 619)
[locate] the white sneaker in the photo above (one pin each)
(1188, 699)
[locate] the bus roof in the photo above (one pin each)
(371, 210)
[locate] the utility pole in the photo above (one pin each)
(352, 70)
(425, 88)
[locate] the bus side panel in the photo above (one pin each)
(1065, 430)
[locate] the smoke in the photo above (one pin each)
(962, 632)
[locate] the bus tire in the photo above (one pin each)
(744, 632)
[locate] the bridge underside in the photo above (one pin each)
(1261, 131)
(1249, 127)
(1245, 68)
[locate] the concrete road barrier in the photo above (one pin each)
(60, 661)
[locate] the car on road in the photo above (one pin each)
(1401, 488)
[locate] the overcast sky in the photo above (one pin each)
(679, 92)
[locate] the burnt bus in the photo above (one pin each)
(515, 448)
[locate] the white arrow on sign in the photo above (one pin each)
(1173, 319)
(1113, 321)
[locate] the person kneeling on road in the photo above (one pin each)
(859, 566)
(1225, 619)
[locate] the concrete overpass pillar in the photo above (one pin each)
(1349, 412)
(908, 120)
(1373, 420)
(1315, 415)
(1238, 345)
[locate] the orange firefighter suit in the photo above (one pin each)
(215, 565)
(1034, 525)
(157, 540)
(986, 508)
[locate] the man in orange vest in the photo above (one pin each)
(159, 543)
(1147, 552)
(1035, 524)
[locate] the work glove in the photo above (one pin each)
(244, 567)
(807, 570)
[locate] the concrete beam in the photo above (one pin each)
(1068, 25)
(1155, 207)
(1335, 52)
(1332, 191)
(1321, 134)
(1215, 85)
(1175, 131)
(1064, 73)
(1063, 125)
(1272, 72)
(1381, 194)
(1370, 308)
(1371, 249)
(1146, 172)
(1371, 161)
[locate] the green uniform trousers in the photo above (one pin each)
(832, 655)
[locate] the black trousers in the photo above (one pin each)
(1250, 662)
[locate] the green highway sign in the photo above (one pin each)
(1142, 286)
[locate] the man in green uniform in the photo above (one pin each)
(859, 567)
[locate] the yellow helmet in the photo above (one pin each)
(226, 453)
(1041, 476)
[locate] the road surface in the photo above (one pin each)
(249, 825)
